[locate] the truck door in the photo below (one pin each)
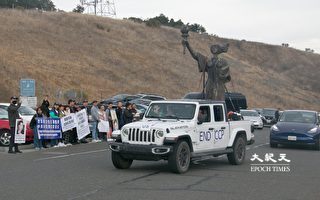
(219, 127)
(203, 134)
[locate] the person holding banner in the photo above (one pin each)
(33, 125)
(54, 113)
(13, 115)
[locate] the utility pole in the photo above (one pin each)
(104, 8)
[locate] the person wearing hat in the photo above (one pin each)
(13, 115)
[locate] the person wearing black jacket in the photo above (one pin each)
(13, 115)
(33, 125)
(45, 106)
(120, 113)
(128, 116)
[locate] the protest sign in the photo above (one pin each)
(49, 128)
(82, 124)
(20, 132)
(68, 122)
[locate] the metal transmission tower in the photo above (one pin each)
(99, 7)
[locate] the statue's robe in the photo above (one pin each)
(218, 75)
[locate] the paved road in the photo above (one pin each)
(85, 172)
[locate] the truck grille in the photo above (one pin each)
(136, 135)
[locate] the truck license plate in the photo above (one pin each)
(292, 138)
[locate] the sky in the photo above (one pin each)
(275, 22)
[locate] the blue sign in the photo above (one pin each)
(27, 87)
(49, 128)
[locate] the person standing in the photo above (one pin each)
(54, 113)
(119, 112)
(109, 117)
(102, 117)
(45, 106)
(128, 116)
(13, 115)
(61, 113)
(277, 115)
(95, 119)
(33, 125)
(72, 133)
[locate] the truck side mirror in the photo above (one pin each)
(199, 122)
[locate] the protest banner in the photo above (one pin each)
(68, 122)
(20, 132)
(49, 128)
(82, 124)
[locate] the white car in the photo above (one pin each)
(26, 112)
(253, 116)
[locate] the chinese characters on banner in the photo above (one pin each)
(49, 128)
(20, 132)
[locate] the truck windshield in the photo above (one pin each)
(171, 111)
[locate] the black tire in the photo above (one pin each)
(273, 145)
(239, 151)
(179, 159)
(119, 162)
(5, 137)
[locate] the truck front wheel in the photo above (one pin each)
(239, 151)
(120, 162)
(179, 160)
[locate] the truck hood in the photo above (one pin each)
(160, 124)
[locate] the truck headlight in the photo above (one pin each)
(125, 132)
(274, 128)
(159, 134)
(313, 130)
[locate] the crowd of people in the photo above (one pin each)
(103, 118)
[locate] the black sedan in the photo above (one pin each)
(296, 127)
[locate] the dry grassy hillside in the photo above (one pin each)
(103, 57)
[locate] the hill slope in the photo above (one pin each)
(102, 57)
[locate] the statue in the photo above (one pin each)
(216, 68)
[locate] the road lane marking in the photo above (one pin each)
(69, 155)
(257, 146)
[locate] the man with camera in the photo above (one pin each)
(13, 115)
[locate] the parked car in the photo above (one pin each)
(26, 112)
(259, 110)
(234, 101)
(252, 116)
(268, 115)
(297, 127)
(152, 97)
(5, 129)
(120, 97)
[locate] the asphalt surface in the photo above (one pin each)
(85, 172)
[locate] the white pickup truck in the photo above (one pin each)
(181, 131)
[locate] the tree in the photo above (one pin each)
(78, 9)
(197, 28)
(46, 5)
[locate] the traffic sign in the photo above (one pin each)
(27, 87)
